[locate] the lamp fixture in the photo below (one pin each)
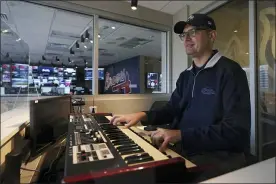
(82, 38)
(113, 27)
(43, 58)
(57, 59)
(72, 52)
(134, 4)
(91, 41)
(85, 46)
(77, 45)
(69, 60)
(86, 35)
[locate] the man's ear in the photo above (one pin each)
(213, 35)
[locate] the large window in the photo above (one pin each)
(60, 48)
(266, 17)
(132, 59)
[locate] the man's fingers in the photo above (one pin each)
(164, 145)
(118, 120)
(113, 118)
(129, 124)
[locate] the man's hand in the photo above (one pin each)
(130, 119)
(164, 136)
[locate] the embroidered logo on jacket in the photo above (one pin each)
(208, 91)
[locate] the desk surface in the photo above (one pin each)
(262, 172)
(12, 122)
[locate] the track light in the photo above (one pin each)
(57, 59)
(134, 4)
(85, 61)
(43, 58)
(86, 35)
(7, 55)
(82, 38)
(77, 45)
(72, 52)
(69, 60)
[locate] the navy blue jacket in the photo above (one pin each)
(211, 108)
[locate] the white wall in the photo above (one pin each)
(179, 57)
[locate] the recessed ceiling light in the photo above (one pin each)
(113, 27)
(18, 39)
(235, 31)
(91, 41)
(99, 36)
(85, 46)
(247, 53)
(134, 8)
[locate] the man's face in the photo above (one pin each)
(197, 41)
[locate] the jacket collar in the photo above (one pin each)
(211, 62)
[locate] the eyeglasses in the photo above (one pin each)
(190, 33)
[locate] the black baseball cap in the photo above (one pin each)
(197, 20)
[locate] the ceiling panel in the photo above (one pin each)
(51, 32)
(155, 5)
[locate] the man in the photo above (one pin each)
(209, 110)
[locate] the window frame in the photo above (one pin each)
(71, 7)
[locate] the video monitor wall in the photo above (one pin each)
(22, 75)
(89, 73)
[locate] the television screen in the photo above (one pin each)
(45, 70)
(89, 73)
(20, 73)
(6, 73)
(152, 80)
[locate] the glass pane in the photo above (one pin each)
(14, 76)
(266, 12)
(232, 37)
(60, 48)
(132, 59)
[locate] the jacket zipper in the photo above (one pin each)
(195, 82)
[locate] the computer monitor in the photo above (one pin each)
(152, 80)
(49, 120)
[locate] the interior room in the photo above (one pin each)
(58, 114)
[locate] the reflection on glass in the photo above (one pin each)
(266, 17)
(127, 56)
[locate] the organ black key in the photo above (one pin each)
(112, 131)
(129, 148)
(136, 156)
(122, 142)
(121, 139)
(111, 137)
(139, 160)
(115, 134)
(127, 152)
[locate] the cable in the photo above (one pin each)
(50, 168)
(29, 169)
